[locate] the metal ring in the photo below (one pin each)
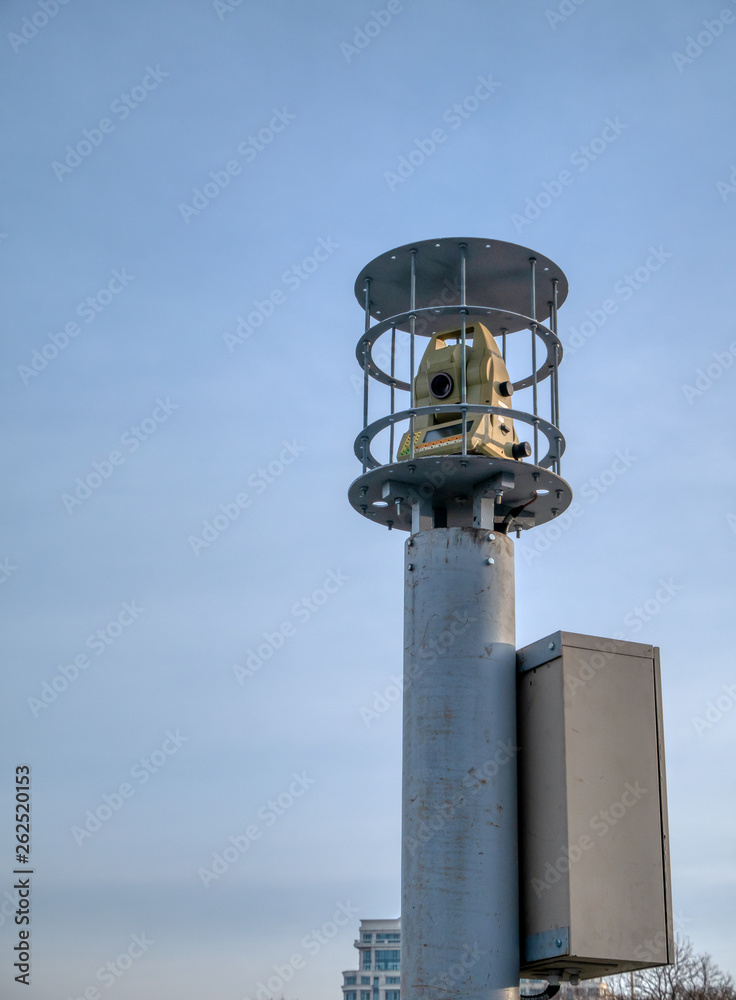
(369, 338)
(549, 430)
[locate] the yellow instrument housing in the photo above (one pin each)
(439, 380)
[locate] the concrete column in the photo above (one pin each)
(459, 910)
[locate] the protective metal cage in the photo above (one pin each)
(422, 290)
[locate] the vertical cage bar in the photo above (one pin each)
(533, 314)
(412, 328)
(464, 347)
(551, 378)
(555, 374)
(393, 393)
(503, 343)
(365, 369)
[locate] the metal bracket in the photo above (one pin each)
(400, 494)
(487, 495)
(547, 944)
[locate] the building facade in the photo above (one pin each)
(378, 976)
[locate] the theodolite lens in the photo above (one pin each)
(441, 385)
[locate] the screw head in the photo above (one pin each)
(552, 646)
(558, 943)
(410, 567)
(489, 561)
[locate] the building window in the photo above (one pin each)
(388, 937)
(392, 994)
(387, 960)
(376, 981)
(368, 937)
(365, 980)
(365, 995)
(350, 995)
(393, 980)
(366, 959)
(350, 980)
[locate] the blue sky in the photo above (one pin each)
(129, 258)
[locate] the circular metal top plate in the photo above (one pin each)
(450, 480)
(498, 274)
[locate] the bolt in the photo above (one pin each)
(558, 494)
(489, 561)
(558, 942)
(411, 467)
(535, 476)
(410, 567)
(552, 646)
(363, 507)
(491, 538)
(390, 524)
(363, 490)
(555, 511)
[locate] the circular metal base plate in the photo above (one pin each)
(498, 275)
(450, 480)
